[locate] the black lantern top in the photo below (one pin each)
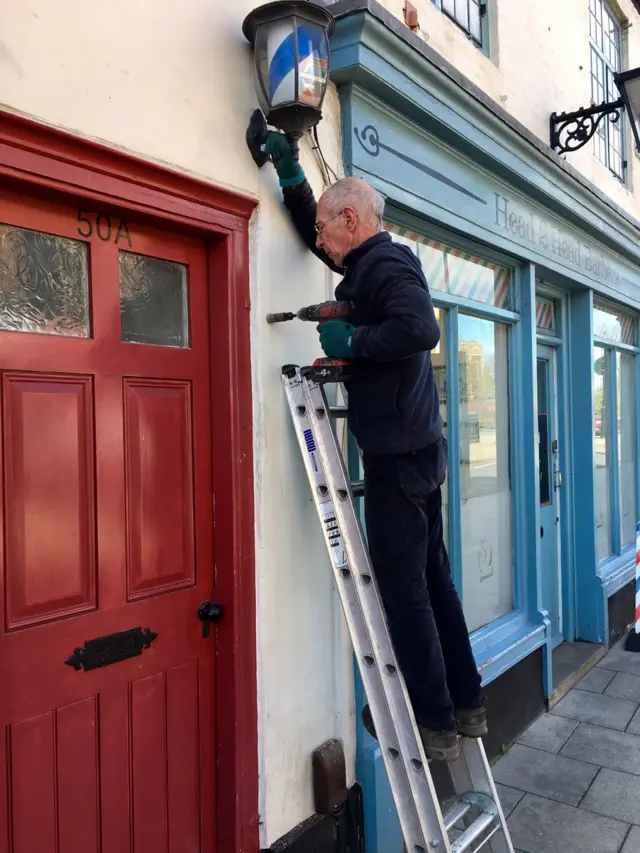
(291, 61)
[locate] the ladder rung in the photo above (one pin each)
(338, 411)
(357, 488)
(456, 813)
(472, 833)
(477, 807)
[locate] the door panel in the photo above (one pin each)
(549, 549)
(42, 582)
(105, 407)
(160, 529)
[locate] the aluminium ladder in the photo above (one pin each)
(477, 812)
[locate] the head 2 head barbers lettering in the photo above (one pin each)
(541, 233)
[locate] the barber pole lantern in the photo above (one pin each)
(291, 68)
(633, 639)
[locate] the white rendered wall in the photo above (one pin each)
(538, 64)
(172, 83)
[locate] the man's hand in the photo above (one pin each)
(335, 338)
(289, 170)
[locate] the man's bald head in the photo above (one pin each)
(356, 193)
(349, 212)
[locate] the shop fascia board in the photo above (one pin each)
(373, 50)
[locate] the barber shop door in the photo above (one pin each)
(550, 479)
(106, 701)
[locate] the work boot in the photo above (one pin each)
(472, 722)
(439, 745)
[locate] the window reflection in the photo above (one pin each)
(601, 379)
(484, 470)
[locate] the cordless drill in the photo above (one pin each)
(324, 369)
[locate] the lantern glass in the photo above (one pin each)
(292, 63)
(629, 84)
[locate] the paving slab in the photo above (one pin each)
(615, 794)
(549, 733)
(634, 726)
(596, 680)
(563, 779)
(621, 661)
(509, 798)
(539, 825)
(623, 686)
(605, 748)
(599, 710)
(632, 844)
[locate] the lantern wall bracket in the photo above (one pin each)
(571, 131)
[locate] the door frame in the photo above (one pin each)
(44, 162)
(559, 342)
(548, 353)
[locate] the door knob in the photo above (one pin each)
(209, 611)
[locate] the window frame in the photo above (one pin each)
(607, 128)
(483, 6)
(451, 307)
(611, 348)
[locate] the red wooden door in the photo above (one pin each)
(107, 527)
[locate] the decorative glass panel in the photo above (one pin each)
(612, 325)
(545, 316)
(627, 447)
(153, 301)
(456, 272)
(602, 451)
(485, 482)
(44, 283)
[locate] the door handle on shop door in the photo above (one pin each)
(209, 612)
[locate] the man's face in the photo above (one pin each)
(335, 231)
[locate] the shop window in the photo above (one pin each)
(626, 397)
(450, 270)
(475, 396)
(602, 449)
(610, 324)
(605, 44)
(614, 429)
(545, 316)
(485, 484)
(439, 363)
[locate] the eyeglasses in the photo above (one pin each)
(319, 226)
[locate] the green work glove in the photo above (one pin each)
(335, 338)
(289, 170)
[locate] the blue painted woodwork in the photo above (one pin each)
(549, 545)
(452, 164)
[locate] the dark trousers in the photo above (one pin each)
(403, 515)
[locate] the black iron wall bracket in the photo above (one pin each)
(570, 131)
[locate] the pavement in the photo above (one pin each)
(571, 781)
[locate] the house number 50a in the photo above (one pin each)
(103, 227)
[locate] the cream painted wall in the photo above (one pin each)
(172, 83)
(539, 63)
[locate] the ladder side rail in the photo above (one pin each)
(371, 676)
(403, 727)
(472, 772)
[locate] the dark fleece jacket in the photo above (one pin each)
(393, 399)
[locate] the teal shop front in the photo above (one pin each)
(536, 279)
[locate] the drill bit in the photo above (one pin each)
(282, 317)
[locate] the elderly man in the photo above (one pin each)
(394, 414)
